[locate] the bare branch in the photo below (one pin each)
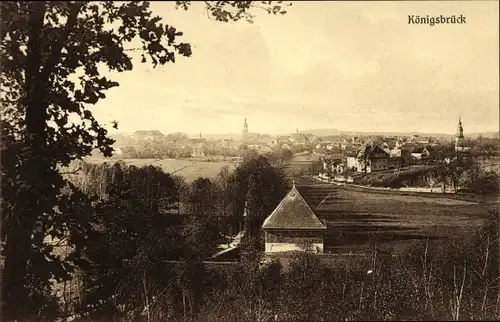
(72, 172)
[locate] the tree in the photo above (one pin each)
(286, 155)
(226, 200)
(486, 183)
(304, 289)
(249, 154)
(364, 156)
(260, 187)
(43, 45)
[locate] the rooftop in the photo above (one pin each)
(293, 213)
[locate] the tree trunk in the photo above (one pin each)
(184, 304)
(32, 177)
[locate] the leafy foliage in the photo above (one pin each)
(259, 187)
(53, 54)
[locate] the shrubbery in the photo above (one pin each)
(433, 280)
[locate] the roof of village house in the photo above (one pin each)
(300, 138)
(148, 132)
(352, 146)
(369, 149)
(305, 157)
(412, 147)
(293, 212)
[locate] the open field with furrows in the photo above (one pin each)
(189, 169)
(356, 220)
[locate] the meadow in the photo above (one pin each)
(190, 169)
(360, 219)
(357, 220)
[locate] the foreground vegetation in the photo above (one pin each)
(131, 263)
(115, 263)
(431, 282)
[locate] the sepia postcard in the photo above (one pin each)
(249, 160)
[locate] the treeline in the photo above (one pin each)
(159, 150)
(484, 147)
(151, 150)
(433, 281)
(121, 237)
(259, 183)
(126, 268)
(129, 262)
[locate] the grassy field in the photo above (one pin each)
(189, 169)
(358, 219)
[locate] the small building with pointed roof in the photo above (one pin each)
(293, 226)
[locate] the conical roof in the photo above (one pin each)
(293, 212)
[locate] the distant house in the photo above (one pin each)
(395, 153)
(351, 160)
(117, 151)
(418, 139)
(305, 163)
(300, 139)
(149, 135)
(332, 165)
(416, 153)
(285, 146)
(373, 158)
(197, 141)
(283, 138)
(293, 226)
(347, 146)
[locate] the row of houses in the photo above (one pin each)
(376, 157)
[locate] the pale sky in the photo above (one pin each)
(355, 66)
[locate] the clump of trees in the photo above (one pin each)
(53, 54)
(432, 280)
(122, 240)
(486, 183)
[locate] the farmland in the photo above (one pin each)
(356, 219)
(188, 168)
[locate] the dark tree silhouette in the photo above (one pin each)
(43, 43)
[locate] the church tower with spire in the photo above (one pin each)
(459, 137)
(245, 130)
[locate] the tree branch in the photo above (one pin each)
(71, 172)
(55, 55)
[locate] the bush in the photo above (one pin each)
(487, 183)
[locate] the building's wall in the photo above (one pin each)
(379, 164)
(305, 167)
(352, 162)
(292, 241)
(288, 247)
(361, 166)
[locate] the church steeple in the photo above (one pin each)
(245, 130)
(245, 126)
(460, 129)
(459, 138)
